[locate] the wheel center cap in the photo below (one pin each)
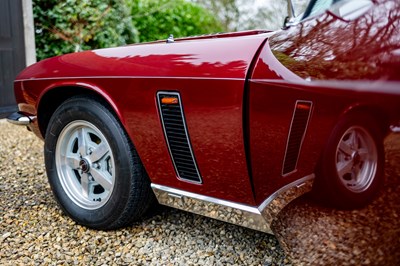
(84, 165)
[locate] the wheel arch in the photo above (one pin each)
(54, 96)
(325, 188)
(378, 114)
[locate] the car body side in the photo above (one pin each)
(239, 95)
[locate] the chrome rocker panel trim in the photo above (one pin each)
(20, 119)
(258, 218)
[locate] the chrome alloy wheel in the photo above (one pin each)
(356, 159)
(85, 165)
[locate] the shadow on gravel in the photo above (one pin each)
(314, 235)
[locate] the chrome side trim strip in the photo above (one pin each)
(226, 211)
(21, 119)
(174, 192)
(258, 218)
(271, 207)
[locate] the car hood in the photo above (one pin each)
(214, 56)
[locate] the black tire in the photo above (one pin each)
(351, 168)
(93, 169)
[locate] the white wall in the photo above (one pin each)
(29, 34)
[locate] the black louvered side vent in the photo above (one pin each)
(298, 128)
(176, 134)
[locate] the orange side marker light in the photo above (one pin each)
(303, 106)
(169, 100)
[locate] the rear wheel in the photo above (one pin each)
(94, 170)
(351, 168)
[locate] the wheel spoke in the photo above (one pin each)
(345, 148)
(102, 178)
(99, 152)
(86, 164)
(354, 139)
(73, 161)
(82, 142)
(356, 173)
(363, 154)
(344, 168)
(356, 159)
(85, 184)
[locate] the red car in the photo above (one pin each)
(232, 126)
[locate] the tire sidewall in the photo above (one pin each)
(100, 117)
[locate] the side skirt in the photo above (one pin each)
(257, 218)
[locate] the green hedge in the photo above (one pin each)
(64, 26)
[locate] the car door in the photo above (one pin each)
(300, 84)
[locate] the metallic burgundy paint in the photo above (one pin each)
(360, 57)
(210, 74)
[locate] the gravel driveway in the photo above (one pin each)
(33, 230)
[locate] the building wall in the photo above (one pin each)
(17, 47)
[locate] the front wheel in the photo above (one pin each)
(93, 169)
(351, 168)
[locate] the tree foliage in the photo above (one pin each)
(157, 19)
(227, 11)
(64, 26)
